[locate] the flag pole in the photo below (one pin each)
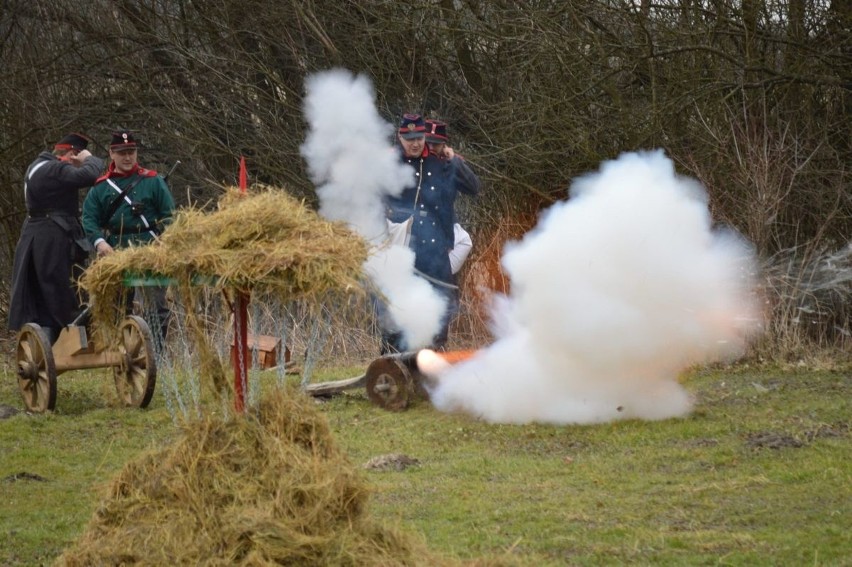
(241, 301)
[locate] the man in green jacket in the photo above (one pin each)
(130, 205)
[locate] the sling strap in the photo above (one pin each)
(30, 175)
(122, 194)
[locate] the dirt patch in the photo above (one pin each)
(8, 411)
(771, 440)
(825, 430)
(702, 442)
(776, 440)
(24, 476)
(392, 462)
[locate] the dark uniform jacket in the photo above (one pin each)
(142, 213)
(42, 289)
(433, 207)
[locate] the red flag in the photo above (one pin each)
(243, 174)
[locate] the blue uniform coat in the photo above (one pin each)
(431, 201)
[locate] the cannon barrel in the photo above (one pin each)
(393, 380)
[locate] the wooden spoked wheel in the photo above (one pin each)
(36, 369)
(389, 384)
(136, 376)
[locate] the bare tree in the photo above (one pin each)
(751, 96)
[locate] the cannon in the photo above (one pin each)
(39, 363)
(393, 381)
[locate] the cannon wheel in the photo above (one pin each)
(136, 377)
(36, 369)
(389, 384)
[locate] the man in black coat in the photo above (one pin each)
(52, 240)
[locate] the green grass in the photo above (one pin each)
(759, 474)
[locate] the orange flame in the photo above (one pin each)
(432, 362)
(456, 356)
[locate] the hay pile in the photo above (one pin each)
(268, 488)
(265, 241)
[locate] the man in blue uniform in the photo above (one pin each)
(431, 204)
(130, 205)
(51, 241)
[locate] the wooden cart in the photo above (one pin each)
(132, 360)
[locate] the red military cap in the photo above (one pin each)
(436, 132)
(123, 140)
(412, 126)
(72, 141)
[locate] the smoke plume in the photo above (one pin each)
(614, 293)
(354, 166)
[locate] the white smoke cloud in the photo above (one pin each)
(614, 293)
(354, 166)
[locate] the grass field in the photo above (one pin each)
(759, 474)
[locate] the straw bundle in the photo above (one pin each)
(267, 488)
(265, 241)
